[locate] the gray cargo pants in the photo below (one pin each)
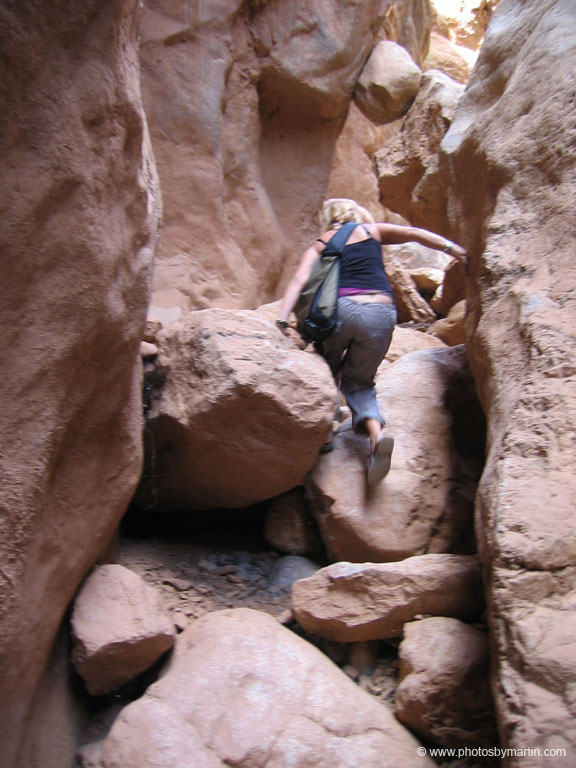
(355, 350)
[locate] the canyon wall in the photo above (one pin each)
(245, 102)
(77, 228)
(511, 151)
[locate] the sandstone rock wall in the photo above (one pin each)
(245, 102)
(77, 226)
(511, 147)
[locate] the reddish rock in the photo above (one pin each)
(409, 24)
(452, 290)
(349, 602)
(425, 502)
(427, 280)
(120, 628)
(514, 204)
(447, 57)
(409, 303)
(406, 340)
(245, 102)
(352, 175)
(416, 256)
(443, 694)
(410, 178)
(289, 528)
(77, 230)
(240, 417)
(388, 84)
(452, 329)
(241, 689)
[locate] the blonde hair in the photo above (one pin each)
(339, 210)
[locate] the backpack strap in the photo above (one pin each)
(338, 241)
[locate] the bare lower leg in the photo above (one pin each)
(374, 429)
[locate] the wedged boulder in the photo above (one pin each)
(240, 417)
(350, 602)
(452, 329)
(425, 504)
(515, 185)
(241, 689)
(444, 693)
(410, 179)
(388, 83)
(119, 628)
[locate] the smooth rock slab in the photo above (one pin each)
(243, 690)
(425, 504)
(349, 602)
(119, 627)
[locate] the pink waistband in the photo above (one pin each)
(355, 291)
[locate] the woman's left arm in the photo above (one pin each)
(298, 281)
(392, 234)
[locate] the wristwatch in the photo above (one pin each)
(281, 323)
(448, 246)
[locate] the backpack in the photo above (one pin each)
(317, 307)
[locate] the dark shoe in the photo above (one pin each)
(380, 464)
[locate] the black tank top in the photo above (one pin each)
(362, 267)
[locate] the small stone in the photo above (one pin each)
(285, 617)
(180, 585)
(351, 671)
(180, 621)
(206, 566)
(147, 349)
(227, 569)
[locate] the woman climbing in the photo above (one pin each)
(366, 314)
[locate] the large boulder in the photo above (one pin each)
(240, 417)
(119, 628)
(515, 185)
(243, 690)
(77, 228)
(388, 83)
(443, 693)
(425, 504)
(350, 602)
